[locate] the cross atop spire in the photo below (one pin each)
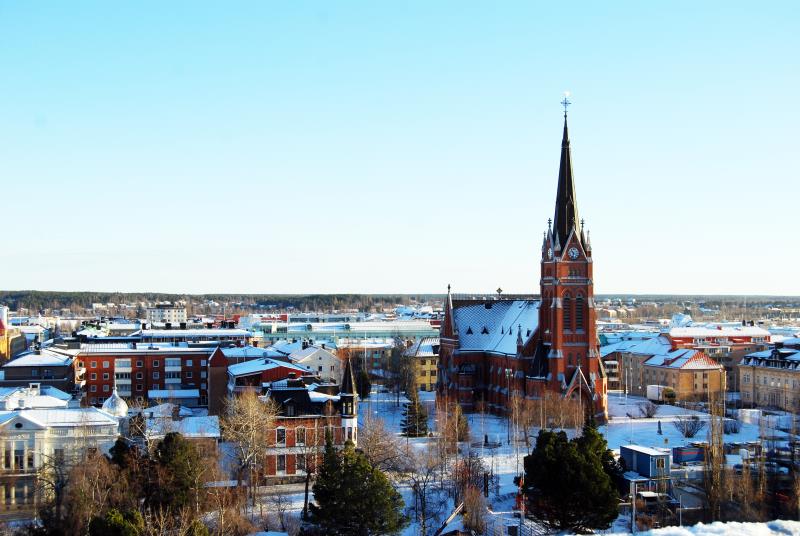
(565, 103)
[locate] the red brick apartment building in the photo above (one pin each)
(146, 372)
(309, 411)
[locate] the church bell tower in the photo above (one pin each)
(567, 314)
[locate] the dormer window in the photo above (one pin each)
(469, 330)
(484, 331)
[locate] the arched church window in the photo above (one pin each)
(579, 312)
(567, 304)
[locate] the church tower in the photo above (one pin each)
(567, 315)
(349, 401)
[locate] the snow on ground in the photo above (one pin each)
(506, 460)
(622, 430)
(729, 529)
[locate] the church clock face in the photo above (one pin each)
(549, 253)
(573, 253)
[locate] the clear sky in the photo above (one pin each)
(396, 146)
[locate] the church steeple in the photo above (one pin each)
(566, 217)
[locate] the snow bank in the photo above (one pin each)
(728, 529)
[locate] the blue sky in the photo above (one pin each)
(395, 146)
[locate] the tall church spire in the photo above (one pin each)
(566, 215)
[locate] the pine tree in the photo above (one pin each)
(353, 498)
(415, 417)
(364, 385)
(116, 523)
(181, 465)
(569, 484)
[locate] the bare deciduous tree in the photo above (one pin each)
(382, 448)
(474, 510)
(648, 409)
(688, 426)
(421, 472)
(245, 422)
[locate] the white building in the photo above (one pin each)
(320, 361)
(166, 312)
(33, 437)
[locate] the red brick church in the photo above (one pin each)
(497, 346)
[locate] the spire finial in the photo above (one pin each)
(581, 222)
(549, 223)
(448, 288)
(565, 103)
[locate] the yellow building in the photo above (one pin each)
(690, 373)
(425, 354)
(771, 378)
(12, 340)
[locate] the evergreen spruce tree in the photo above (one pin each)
(415, 417)
(182, 466)
(116, 523)
(353, 498)
(569, 483)
(364, 385)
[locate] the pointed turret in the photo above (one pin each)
(348, 386)
(566, 215)
(349, 398)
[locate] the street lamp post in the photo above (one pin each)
(508, 408)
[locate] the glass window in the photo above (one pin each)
(281, 463)
(93, 376)
(156, 363)
(106, 364)
(188, 363)
(281, 436)
(155, 375)
(300, 435)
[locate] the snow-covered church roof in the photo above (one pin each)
(492, 326)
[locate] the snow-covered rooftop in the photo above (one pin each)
(425, 347)
(249, 352)
(191, 427)
(719, 331)
(58, 417)
(259, 365)
(43, 358)
(492, 326)
(155, 394)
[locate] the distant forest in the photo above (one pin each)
(36, 301)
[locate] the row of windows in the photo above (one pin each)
(169, 362)
(140, 375)
(139, 387)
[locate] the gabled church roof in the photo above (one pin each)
(495, 326)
